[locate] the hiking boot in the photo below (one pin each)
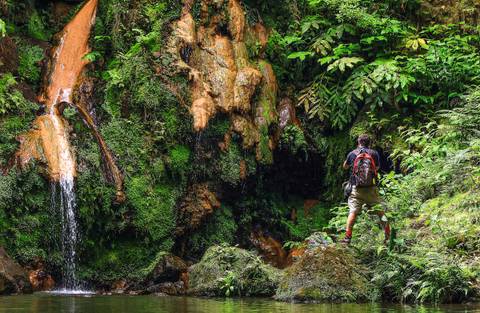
(346, 240)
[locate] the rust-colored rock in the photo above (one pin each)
(270, 249)
(202, 110)
(41, 280)
(68, 58)
(13, 278)
(261, 34)
(245, 84)
(48, 140)
(197, 205)
(236, 20)
(295, 254)
(223, 76)
(246, 129)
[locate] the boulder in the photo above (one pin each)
(167, 275)
(168, 267)
(13, 278)
(41, 280)
(231, 271)
(325, 274)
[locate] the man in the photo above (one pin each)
(365, 164)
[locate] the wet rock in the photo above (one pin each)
(287, 114)
(246, 129)
(245, 84)
(167, 275)
(270, 249)
(197, 205)
(168, 267)
(41, 280)
(13, 278)
(325, 274)
(202, 110)
(230, 269)
(177, 288)
(224, 75)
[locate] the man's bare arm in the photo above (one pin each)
(345, 165)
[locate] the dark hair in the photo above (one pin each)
(364, 140)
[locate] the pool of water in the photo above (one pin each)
(48, 303)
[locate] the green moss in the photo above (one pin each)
(229, 164)
(218, 126)
(179, 159)
(121, 260)
(326, 274)
(223, 269)
(219, 228)
(264, 154)
(154, 209)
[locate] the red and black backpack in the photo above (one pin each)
(364, 173)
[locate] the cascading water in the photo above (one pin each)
(67, 65)
(67, 205)
(48, 140)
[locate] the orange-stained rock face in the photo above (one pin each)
(237, 20)
(245, 84)
(294, 255)
(270, 249)
(68, 58)
(197, 205)
(224, 74)
(261, 34)
(202, 110)
(48, 140)
(41, 281)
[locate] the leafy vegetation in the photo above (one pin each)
(397, 70)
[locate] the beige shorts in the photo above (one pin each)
(361, 196)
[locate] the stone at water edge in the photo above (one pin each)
(325, 274)
(232, 266)
(13, 277)
(167, 275)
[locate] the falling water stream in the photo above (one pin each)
(66, 68)
(67, 205)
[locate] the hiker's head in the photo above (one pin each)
(364, 140)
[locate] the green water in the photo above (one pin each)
(43, 303)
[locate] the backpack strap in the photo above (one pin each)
(364, 155)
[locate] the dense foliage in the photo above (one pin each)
(406, 72)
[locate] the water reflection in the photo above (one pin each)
(47, 303)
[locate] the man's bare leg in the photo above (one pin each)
(352, 217)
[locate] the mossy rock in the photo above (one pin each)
(326, 274)
(231, 271)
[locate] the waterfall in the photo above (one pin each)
(67, 204)
(67, 66)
